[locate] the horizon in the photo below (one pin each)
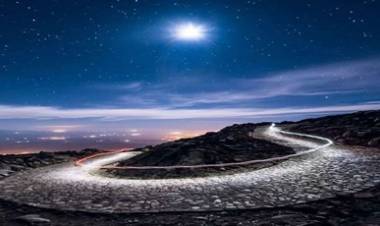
(55, 140)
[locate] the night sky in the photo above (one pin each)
(123, 73)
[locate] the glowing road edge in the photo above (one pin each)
(272, 131)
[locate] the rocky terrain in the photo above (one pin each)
(10, 164)
(231, 144)
(358, 209)
(360, 128)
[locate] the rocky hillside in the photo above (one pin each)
(235, 144)
(231, 144)
(10, 164)
(360, 128)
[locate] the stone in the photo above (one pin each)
(284, 216)
(33, 219)
(375, 142)
(5, 173)
(364, 195)
(231, 144)
(16, 167)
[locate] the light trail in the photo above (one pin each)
(272, 131)
(313, 177)
(276, 132)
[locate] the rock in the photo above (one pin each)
(284, 216)
(312, 223)
(33, 219)
(375, 142)
(203, 218)
(348, 134)
(231, 144)
(5, 173)
(364, 195)
(360, 128)
(16, 167)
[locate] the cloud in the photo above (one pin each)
(342, 78)
(225, 98)
(40, 113)
(352, 77)
(132, 86)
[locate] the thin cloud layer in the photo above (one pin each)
(39, 113)
(353, 77)
(162, 102)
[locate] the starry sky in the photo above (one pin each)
(115, 74)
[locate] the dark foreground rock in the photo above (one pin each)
(360, 128)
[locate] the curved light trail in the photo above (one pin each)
(330, 171)
(272, 131)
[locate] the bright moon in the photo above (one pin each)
(189, 32)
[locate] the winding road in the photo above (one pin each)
(324, 170)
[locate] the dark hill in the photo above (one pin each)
(235, 144)
(231, 144)
(360, 128)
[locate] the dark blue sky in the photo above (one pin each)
(95, 63)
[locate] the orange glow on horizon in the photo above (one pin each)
(177, 135)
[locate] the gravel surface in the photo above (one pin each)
(359, 209)
(327, 173)
(342, 180)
